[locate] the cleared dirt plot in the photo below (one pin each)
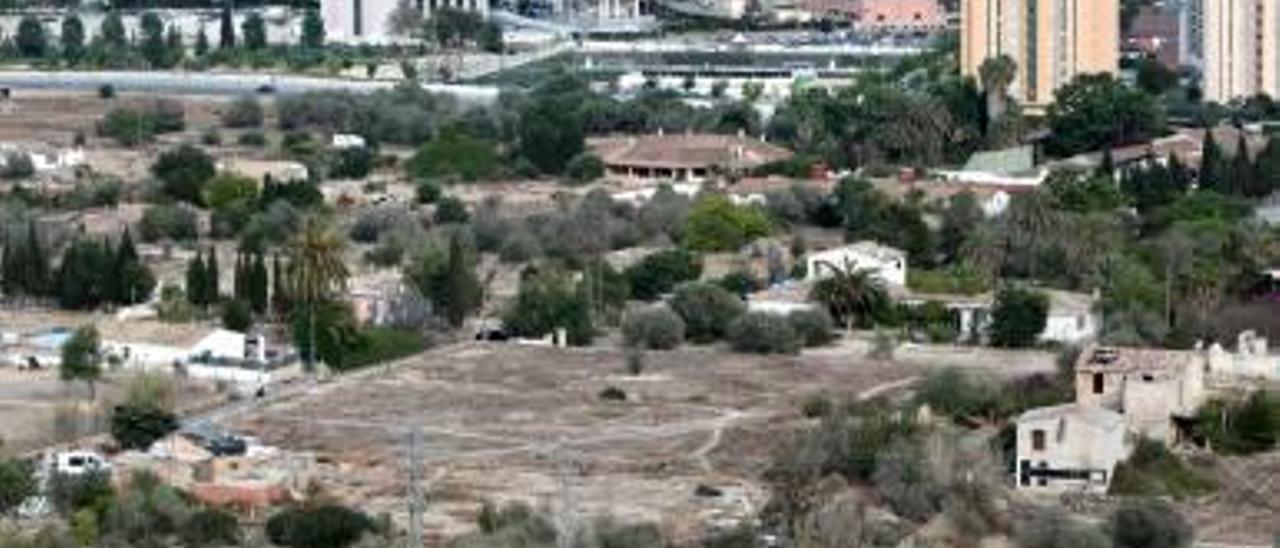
(507, 422)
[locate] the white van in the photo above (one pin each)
(75, 463)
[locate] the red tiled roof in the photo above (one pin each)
(687, 151)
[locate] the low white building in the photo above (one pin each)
(220, 355)
(1072, 317)
(1070, 447)
(884, 262)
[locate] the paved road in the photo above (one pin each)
(206, 83)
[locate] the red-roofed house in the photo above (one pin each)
(683, 157)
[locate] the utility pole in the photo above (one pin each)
(566, 518)
(417, 503)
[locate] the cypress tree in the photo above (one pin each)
(195, 280)
(211, 278)
(1211, 164)
(1246, 181)
(227, 30)
(133, 281)
(258, 296)
(7, 262)
(35, 264)
(279, 297)
(239, 281)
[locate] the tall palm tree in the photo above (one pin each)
(851, 294)
(316, 271)
(1033, 220)
(995, 74)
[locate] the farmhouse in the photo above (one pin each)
(1070, 447)
(683, 157)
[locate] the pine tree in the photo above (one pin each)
(132, 280)
(258, 296)
(227, 30)
(174, 52)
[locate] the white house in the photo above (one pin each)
(1070, 447)
(220, 355)
(1072, 318)
(886, 263)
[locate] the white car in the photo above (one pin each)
(75, 463)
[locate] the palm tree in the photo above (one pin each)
(995, 75)
(316, 271)
(984, 251)
(1032, 219)
(851, 294)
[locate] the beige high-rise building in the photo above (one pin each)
(1052, 41)
(1241, 48)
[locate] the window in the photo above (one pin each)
(1080, 322)
(1099, 382)
(1037, 440)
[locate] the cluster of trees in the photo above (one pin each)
(155, 44)
(134, 124)
(90, 272)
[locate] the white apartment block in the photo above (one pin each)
(1241, 48)
(366, 21)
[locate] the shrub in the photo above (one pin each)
(905, 479)
(454, 153)
(635, 363)
(17, 483)
(137, 427)
(660, 272)
(519, 247)
(953, 393)
(167, 222)
(211, 527)
(70, 494)
(184, 171)
(1018, 317)
(816, 406)
(1055, 529)
(738, 283)
(237, 315)
(1149, 524)
(427, 192)
(763, 333)
(716, 224)
(450, 209)
(252, 139)
(613, 393)
(584, 168)
(320, 526)
(653, 328)
(106, 91)
(545, 303)
(1241, 428)
(17, 165)
(1154, 471)
(351, 163)
(707, 310)
(243, 112)
(814, 327)
(381, 345)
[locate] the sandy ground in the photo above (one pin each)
(508, 422)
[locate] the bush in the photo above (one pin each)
(904, 478)
(763, 333)
(351, 163)
(1241, 428)
(1056, 529)
(814, 327)
(243, 112)
(133, 125)
(584, 168)
(1018, 317)
(252, 139)
(321, 526)
(545, 303)
(106, 91)
(1149, 524)
(816, 406)
(381, 345)
(660, 272)
(450, 209)
(167, 222)
(70, 494)
(427, 192)
(17, 165)
(716, 224)
(237, 316)
(453, 153)
(1154, 471)
(184, 172)
(519, 247)
(17, 483)
(613, 393)
(137, 427)
(707, 310)
(211, 527)
(953, 393)
(653, 328)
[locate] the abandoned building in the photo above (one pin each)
(1070, 447)
(1153, 389)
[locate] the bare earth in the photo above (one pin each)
(508, 422)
